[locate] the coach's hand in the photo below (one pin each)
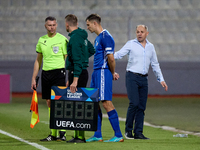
(164, 85)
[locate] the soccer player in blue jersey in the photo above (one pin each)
(104, 73)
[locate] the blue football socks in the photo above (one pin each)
(114, 121)
(98, 132)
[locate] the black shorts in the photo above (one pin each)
(82, 80)
(52, 78)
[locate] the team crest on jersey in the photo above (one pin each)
(55, 49)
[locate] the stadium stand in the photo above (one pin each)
(172, 24)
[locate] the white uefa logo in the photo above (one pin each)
(55, 49)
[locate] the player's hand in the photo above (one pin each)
(67, 83)
(115, 76)
(73, 86)
(164, 85)
(33, 84)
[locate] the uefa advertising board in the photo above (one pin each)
(74, 111)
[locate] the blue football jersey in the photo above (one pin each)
(104, 45)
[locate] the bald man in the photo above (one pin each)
(141, 53)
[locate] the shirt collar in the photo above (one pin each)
(102, 31)
(136, 40)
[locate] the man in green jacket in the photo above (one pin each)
(79, 49)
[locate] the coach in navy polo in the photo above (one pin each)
(141, 53)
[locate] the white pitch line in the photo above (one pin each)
(150, 125)
(22, 140)
(162, 127)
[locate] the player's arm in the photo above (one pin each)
(109, 44)
(111, 64)
(36, 69)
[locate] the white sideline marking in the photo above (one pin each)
(150, 125)
(162, 127)
(45, 122)
(22, 140)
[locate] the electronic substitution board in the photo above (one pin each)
(74, 111)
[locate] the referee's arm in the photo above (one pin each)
(36, 69)
(65, 56)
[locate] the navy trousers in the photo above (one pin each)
(137, 90)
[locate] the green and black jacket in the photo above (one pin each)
(79, 49)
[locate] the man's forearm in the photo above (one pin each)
(35, 69)
(65, 56)
(111, 63)
(75, 80)
(37, 66)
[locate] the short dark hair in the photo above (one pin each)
(95, 17)
(72, 19)
(50, 18)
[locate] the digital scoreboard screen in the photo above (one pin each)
(74, 111)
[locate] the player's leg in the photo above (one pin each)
(98, 133)
(114, 121)
(96, 84)
(103, 81)
(46, 93)
(109, 107)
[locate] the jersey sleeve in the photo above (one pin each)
(156, 67)
(123, 51)
(38, 47)
(64, 46)
(108, 44)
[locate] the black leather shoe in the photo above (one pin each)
(76, 140)
(49, 138)
(140, 136)
(62, 136)
(129, 135)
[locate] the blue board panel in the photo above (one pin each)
(74, 111)
(82, 94)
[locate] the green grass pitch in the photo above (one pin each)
(182, 113)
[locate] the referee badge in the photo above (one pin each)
(55, 49)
